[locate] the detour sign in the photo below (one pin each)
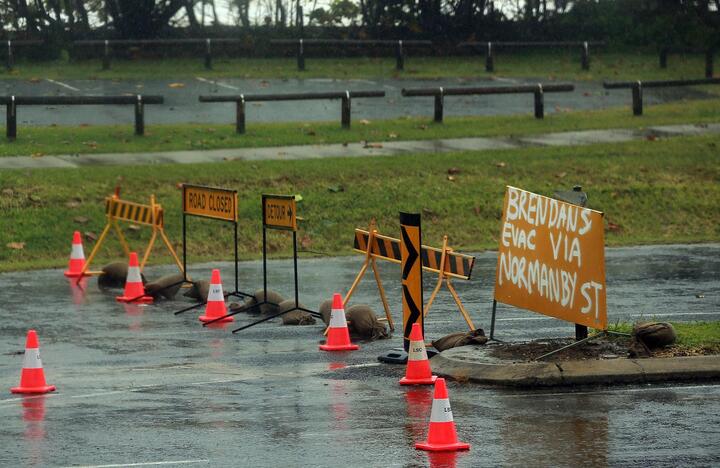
(279, 212)
(551, 259)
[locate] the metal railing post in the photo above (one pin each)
(240, 115)
(11, 120)
(10, 59)
(709, 63)
(345, 110)
(585, 59)
(439, 105)
(637, 98)
(139, 116)
(399, 57)
(106, 56)
(539, 102)
(489, 58)
(301, 56)
(208, 55)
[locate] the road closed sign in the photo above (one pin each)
(551, 259)
(210, 202)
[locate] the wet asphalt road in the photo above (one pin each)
(182, 106)
(140, 385)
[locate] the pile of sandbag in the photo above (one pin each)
(453, 340)
(362, 321)
(650, 336)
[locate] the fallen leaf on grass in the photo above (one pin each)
(367, 144)
(477, 210)
(500, 164)
(80, 219)
(651, 137)
(612, 227)
(364, 122)
(336, 188)
(134, 227)
(16, 245)
(561, 175)
(422, 127)
(179, 185)
(8, 192)
(34, 198)
(451, 178)
(176, 85)
(306, 242)
(37, 155)
(91, 236)
(453, 170)
(34, 79)
(392, 136)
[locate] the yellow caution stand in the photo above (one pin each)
(446, 263)
(151, 215)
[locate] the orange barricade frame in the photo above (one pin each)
(445, 262)
(151, 215)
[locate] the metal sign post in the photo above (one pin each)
(211, 203)
(278, 212)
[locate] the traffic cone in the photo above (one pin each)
(77, 257)
(32, 377)
(134, 289)
(215, 307)
(418, 370)
(338, 338)
(441, 435)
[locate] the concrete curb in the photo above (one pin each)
(472, 363)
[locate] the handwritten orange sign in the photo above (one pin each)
(551, 259)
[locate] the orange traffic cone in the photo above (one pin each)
(32, 377)
(338, 335)
(418, 370)
(215, 307)
(441, 435)
(77, 257)
(134, 289)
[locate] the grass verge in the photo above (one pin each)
(693, 338)
(663, 191)
(551, 65)
(39, 141)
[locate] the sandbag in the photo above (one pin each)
(199, 290)
(273, 297)
(654, 334)
(166, 286)
(325, 309)
(294, 317)
(363, 323)
(453, 340)
(114, 275)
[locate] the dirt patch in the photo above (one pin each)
(598, 348)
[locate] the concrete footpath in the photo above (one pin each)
(474, 363)
(388, 148)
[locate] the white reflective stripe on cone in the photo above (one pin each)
(337, 318)
(134, 275)
(441, 411)
(215, 294)
(32, 359)
(77, 252)
(417, 351)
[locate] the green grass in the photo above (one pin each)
(690, 335)
(89, 139)
(662, 191)
(553, 65)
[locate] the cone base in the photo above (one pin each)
(424, 381)
(347, 347)
(33, 390)
(135, 300)
(442, 447)
(205, 318)
(73, 274)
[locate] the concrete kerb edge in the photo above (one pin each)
(580, 372)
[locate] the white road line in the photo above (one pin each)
(217, 83)
(357, 366)
(672, 314)
(175, 462)
(29, 397)
(64, 85)
(601, 392)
